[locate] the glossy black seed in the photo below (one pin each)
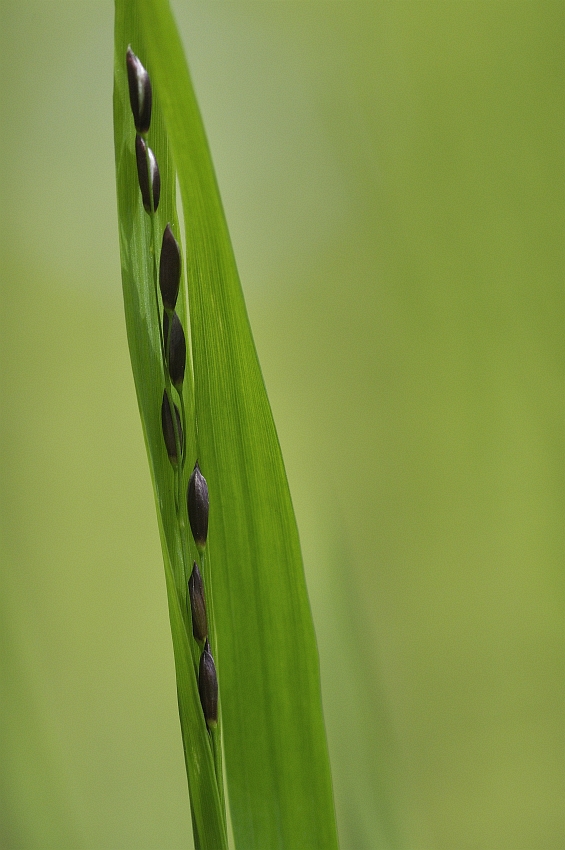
(169, 429)
(140, 95)
(198, 507)
(177, 351)
(169, 269)
(208, 686)
(143, 155)
(197, 604)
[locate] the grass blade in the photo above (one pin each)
(276, 756)
(139, 243)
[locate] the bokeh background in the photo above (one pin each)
(393, 177)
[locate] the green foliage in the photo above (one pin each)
(393, 180)
(263, 639)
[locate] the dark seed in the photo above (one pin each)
(197, 604)
(166, 328)
(177, 351)
(169, 429)
(197, 503)
(169, 269)
(140, 96)
(208, 686)
(143, 153)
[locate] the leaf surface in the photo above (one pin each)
(274, 737)
(142, 322)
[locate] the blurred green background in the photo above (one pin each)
(393, 177)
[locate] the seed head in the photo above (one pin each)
(147, 175)
(169, 429)
(177, 350)
(169, 269)
(197, 503)
(197, 604)
(208, 687)
(140, 96)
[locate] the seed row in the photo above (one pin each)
(173, 349)
(197, 504)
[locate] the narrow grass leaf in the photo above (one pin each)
(139, 242)
(276, 756)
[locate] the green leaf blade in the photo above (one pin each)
(276, 756)
(142, 322)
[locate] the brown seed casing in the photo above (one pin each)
(208, 687)
(198, 507)
(144, 156)
(169, 269)
(140, 95)
(169, 429)
(197, 604)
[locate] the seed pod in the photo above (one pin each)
(140, 96)
(143, 154)
(169, 269)
(208, 687)
(177, 351)
(169, 429)
(197, 503)
(197, 604)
